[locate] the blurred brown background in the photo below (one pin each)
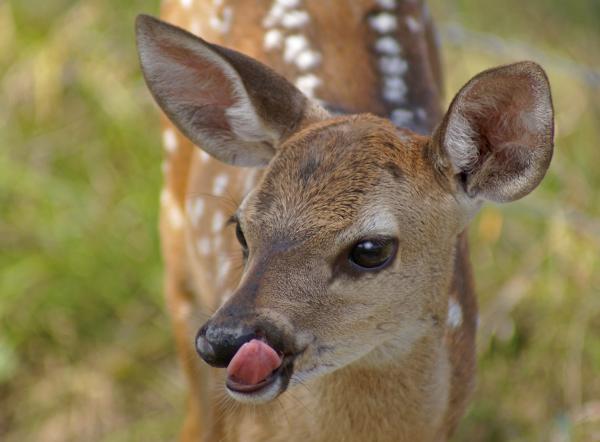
(85, 345)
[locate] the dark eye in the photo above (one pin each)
(240, 237)
(373, 253)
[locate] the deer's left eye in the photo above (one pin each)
(373, 254)
(240, 237)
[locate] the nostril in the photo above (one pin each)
(205, 349)
(217, 345)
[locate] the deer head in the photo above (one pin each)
(349, 238)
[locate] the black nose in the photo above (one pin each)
(217, 346)
(217, 343)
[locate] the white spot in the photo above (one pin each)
(204, 157)
(388, 45)
(228, 15)
(170, 140)
(186, 3)
(404, 135)
(421, 114)
(307, 84)
(393, 95)
(395, 83)
(274, 15)
(308, 59)
(218, 221)
(394, 89)
(223, 271)
(413, 24)
(294, 44)
(220, 184)
(295, 19)
(455, 315)
(387, 4)
(392, 65)
(195, 209)
(289, 4)
(401, 117)
(174, 215)
(222, 24)
(173, 211)
(383, 22)
(203, 246)
(195, 27)
(273, 39)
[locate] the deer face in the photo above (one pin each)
(339, 236)
(349, 237)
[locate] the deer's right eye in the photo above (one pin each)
(373, 254)
(241, 238)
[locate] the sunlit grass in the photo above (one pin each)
(85, 346)
(537, 261)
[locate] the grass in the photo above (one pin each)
(536, 261)
(85, 345)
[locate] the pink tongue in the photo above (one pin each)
(253, 362)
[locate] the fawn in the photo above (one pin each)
(341, 285)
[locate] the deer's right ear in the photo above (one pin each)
(232, 106)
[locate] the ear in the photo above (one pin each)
(498, 132)
(230, 105)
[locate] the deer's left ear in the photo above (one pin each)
(498, 132)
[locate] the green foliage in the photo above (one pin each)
(537, 263)
(85, 346)
(84, 334)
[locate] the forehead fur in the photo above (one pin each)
(326, 173)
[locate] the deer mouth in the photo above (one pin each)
(258, 373)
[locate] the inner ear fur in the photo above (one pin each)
(498, 132)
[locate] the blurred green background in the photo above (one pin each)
(85, 346)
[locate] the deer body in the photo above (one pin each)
(376, 353)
